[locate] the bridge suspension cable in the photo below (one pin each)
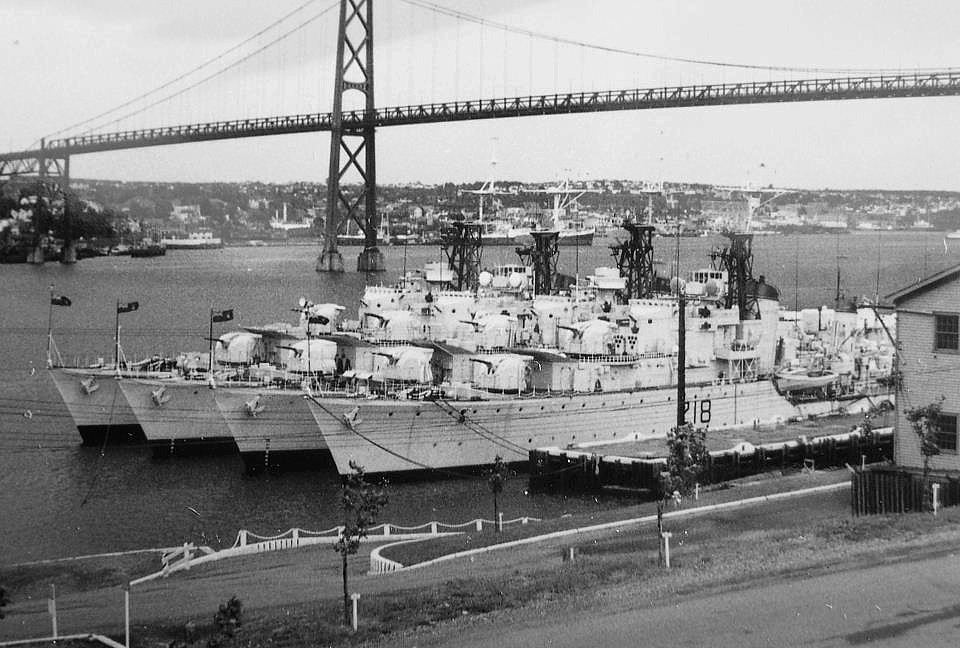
(207, 63)
(479, 20)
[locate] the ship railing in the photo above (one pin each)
(130, 369)
(491, 350)
(619, 358)
(378, 336)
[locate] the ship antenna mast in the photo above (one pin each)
(876, 294)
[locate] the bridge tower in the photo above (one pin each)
(52, 174)
(354, 73)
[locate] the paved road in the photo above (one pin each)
(904, 604)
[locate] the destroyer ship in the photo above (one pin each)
(455, 366)
(500, 372)
(91, 391)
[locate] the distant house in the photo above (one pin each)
(928, 339)
(726, 214)
(186, 214)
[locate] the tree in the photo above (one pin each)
(496, 476)
(687, 458)
(361, 502)
(925, 422)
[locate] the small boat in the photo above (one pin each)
(148, 250)
(804, 379)
(200, 240)
(953, 235)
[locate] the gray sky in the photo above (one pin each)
(67, 60)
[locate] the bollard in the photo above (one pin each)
(570, 554)
(243, 537)
(126, 615)
(936, 498)
(500, 522)
(386, 529)
(479, 524)
(863, 462)
(665, 537)
(353, 622)
(696, 491)
(433, 528)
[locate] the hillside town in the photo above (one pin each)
(117, 217)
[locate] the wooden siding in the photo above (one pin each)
(927, 374)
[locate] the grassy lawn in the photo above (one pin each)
(724, 550)
(33, 581)
(412, 553)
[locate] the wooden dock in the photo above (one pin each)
(592, 469)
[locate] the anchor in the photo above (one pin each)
(253, 407)
(89, 385)
(159, 396)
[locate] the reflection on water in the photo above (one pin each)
(58, 499)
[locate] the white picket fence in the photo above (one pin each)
(381, 565)
(248, 542)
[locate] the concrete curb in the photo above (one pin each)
(760, 499)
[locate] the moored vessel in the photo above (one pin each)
(177, 414)
(200, 240)
(98, 408)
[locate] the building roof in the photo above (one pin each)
(925, 284)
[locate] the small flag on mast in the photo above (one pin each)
(223, 316)
(128, 307)
(61, 300)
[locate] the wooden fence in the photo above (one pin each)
(888, 491)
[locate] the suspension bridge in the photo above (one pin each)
(353, 129)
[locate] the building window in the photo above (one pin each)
(946, 434)
(947, 333)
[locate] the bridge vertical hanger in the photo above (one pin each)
(355, 34)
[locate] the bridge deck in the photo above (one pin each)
(927, 84)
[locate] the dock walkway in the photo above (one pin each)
(734, 453)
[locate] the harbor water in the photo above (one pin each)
(60, 499)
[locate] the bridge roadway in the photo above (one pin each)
(926, 84)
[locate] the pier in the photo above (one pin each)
(596, 468)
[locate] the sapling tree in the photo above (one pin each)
(496, 476)
(925, 422)
(687, 458)
(361, 501)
